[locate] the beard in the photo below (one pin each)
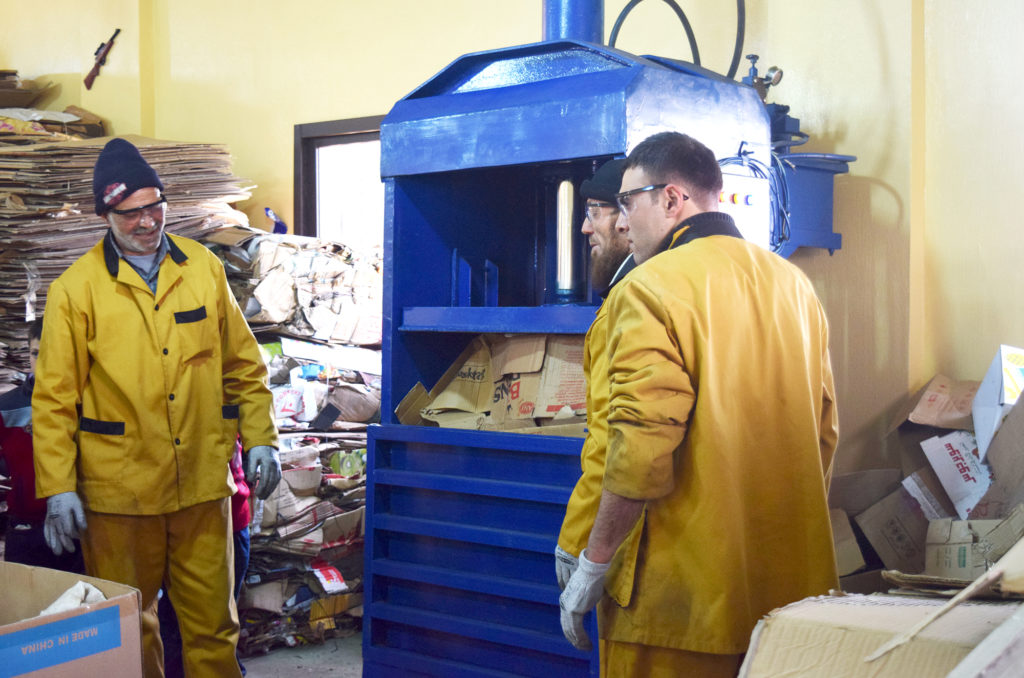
(604, 266)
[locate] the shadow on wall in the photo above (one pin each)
(865, 289)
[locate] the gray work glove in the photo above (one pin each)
(65, 520)
(565, 565)
(581, 594)
(262, 463)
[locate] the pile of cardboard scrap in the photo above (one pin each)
(530, 383)
(304, 582)
(956, 505)
(948, 525)
(47, 219)
(316, 310)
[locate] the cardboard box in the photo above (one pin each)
(855, 492)
(849, 559)
(966, 549)
(897, 530)
(538, 376)
(957, 549)
(96, 639)
(924, 486)
(997, 394)
(962, 474)
(832, 636)
(940, 405)
(1006, 463)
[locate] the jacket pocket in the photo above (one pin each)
(101, 450)
(195, 334)
(107, 428)
(622, 573)
(193, 316)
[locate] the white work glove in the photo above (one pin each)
(261, 461)
(581, 594)
(565, 565)
(65, 520)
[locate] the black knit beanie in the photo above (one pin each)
(606, 182)
(120, 171)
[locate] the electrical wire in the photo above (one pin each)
(679, 13)
(778, 190)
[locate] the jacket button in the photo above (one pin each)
(165, 351)
(172, 396)
(157, 307)
(177, 441)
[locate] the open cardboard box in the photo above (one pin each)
(96, 639)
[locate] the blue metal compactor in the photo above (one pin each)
(480, 165)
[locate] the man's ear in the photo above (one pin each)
(673, 200)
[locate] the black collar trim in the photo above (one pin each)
(112, 260)
(701, 225)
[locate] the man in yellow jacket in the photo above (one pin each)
(721, 433)
(609, 263)
(147, 372)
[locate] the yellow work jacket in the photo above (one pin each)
(139, 396)
(721, 419)
(586, 495)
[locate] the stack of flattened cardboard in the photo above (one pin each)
(47, 219)
(304, 582)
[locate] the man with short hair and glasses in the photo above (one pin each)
(721, 432)
(147, 374)
(609, 263)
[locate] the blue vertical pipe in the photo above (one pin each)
(574, 20)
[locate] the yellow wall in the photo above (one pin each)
(929, 254)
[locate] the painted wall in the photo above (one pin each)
(929, 255)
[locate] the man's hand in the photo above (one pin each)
(65, 520)
(565, 565)
(262, 462)
(581, 594)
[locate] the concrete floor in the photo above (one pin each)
(336, 657)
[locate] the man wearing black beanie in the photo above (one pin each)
(147, 373)
(610, 261)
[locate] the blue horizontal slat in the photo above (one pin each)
(385, 662)
(448, 437)
(494, 633)
(478, 535)
(563, 319)
(480, 486)
(509, 588)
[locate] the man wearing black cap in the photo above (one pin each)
(609, 262)
(147, 372)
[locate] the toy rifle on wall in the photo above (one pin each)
(101, 58)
